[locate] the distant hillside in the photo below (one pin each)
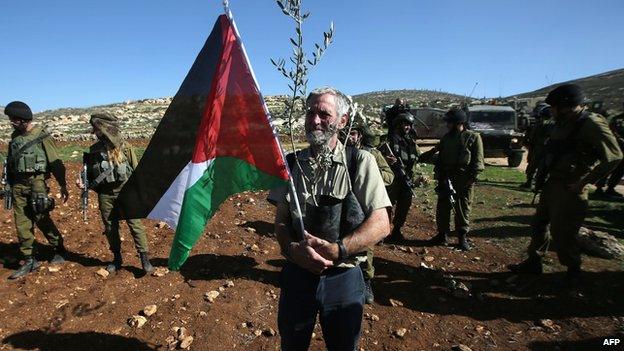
(607, 87)
(139, 118)
(413, 97)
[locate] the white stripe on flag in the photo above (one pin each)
(170, 204)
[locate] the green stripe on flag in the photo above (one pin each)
(223, 178)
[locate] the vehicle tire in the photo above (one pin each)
(514, 159)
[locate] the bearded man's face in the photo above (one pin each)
(322, 121)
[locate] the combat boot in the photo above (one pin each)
(29, 265)
(612, 193)
(59, 255)
(369, 297)
(439, 239)
(147, 266)
(462, 241)
(532, 265)
(116, 264)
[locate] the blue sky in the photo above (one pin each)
(81, 53)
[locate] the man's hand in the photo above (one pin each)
(64, 194)
(79, 183)
(329, 251)
(391, 159)
(306, 257)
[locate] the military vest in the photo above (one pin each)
(26, 153)
(406, 150)
(102, 170)
(566, 155)
(455, 154)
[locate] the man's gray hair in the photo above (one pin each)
(340, 100)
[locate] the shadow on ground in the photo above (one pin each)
(44, 341)
(586, 344)
(498, 294)
(218, 267)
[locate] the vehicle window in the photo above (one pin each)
(492, 117)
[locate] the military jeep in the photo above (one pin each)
(498, 126)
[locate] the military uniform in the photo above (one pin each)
(590, 152)
(337, 295)
(112, 178)
(460, 160)
(617, 127)
(537, 138)
(405, 149)
(32, 157)
(107, 177)
(387, 176)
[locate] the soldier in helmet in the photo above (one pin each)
(32, 157)
(110, 163)
(536, 138)
(459, 163)
(612, 180)
(362, 138)
(581, 150)
(402, 155)
(399, 107)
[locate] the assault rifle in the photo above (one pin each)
(401, 169)
(445, 188)
(84, 196)
(7, 192)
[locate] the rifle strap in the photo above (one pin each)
(27, 145)
(100, 178)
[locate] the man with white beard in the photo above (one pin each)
(344, 211)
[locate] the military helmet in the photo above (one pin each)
(566, 95)
(403, 117)
(368, 139)
(455, 115)
(18, 109)
(544, 112)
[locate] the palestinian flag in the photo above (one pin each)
(215, 140)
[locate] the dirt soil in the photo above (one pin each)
(76, 309)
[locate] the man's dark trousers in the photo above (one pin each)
(337, 296)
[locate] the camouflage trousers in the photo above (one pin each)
(463, 205)
(401, 199)
(26, 219)
(564, 211)
(111, 225)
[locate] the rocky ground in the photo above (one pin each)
(226, 295)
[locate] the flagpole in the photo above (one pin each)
(291, 183)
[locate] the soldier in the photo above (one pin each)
(362, 138)
(581, 150)
(110, 162)
(617, 127)
(398, 108)
(458, 164)
(344, 212)
(402, 155)
(536, 138)
(32, 157)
